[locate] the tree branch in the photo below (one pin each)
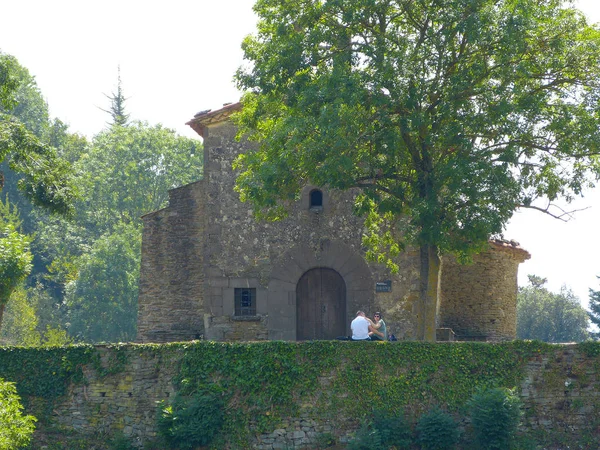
(564, 216)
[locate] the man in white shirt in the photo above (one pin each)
(360, 327)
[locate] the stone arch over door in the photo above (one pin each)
(320, 305)
(337, 256)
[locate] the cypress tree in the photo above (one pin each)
(117, 104)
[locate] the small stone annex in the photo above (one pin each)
(210, 270)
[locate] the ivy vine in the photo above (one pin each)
(263, 384)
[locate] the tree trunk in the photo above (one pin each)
(428, 293)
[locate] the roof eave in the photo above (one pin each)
(204, 119)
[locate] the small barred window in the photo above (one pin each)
(245, 301)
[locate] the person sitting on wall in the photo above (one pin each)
(377, 328)
(360, 327)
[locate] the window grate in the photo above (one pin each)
(245, 301)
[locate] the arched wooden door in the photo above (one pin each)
(320, 305)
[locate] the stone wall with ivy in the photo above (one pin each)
(280, 394)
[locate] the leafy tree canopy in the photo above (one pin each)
(45, 178)
(102, 301)
(451, 114)
(15, 257)
(548, 316)
(129, 170)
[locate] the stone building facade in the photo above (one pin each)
(210, 270)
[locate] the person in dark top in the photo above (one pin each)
(377, 328)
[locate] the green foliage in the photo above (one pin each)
(46, 178)
(437, 430)
(259, 384)
(45, 371)
(56, 337)
(289, 372)
(594, 313)
(129, 170)
(325, 440)
(117, 104)
(125, 173)
(27, 102)
(120, 442)
(191, 421)
(30, 164)
(30, 109)
(15, 428)
(19, 322)
(404, 101)
(548, 316)
(9, 81)
(15, 261)
(590, 348)
(495, 415)
(352, 94)
(366, 438)
(393, 429)
(102, 301)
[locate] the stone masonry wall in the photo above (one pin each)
(123, 402)
(244, 252)
(560, 390)
(479, 300)
(207, 243)
(172, 276)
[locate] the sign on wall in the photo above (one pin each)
(383, 286)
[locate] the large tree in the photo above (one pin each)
(126, 173)
(102, 300)
(549, 316)
(450, 114)
(45, 179)
(129, 170)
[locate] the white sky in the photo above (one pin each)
(179, 57)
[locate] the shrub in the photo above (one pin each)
(384, 431)
(394, 430)
(325, 440)
(120, 442)
(495, 416)
(366, 438)
(191, 421)
(15, 428)
(437, 430)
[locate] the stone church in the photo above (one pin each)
(210, 270)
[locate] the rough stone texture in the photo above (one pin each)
(172, 274)
(561, 393)
(207, 243)
(479, 301)
(123, 402)
(560, 390)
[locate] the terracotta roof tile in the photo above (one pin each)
(208, 117)
(511, 246)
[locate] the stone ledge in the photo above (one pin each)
(246, 318)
